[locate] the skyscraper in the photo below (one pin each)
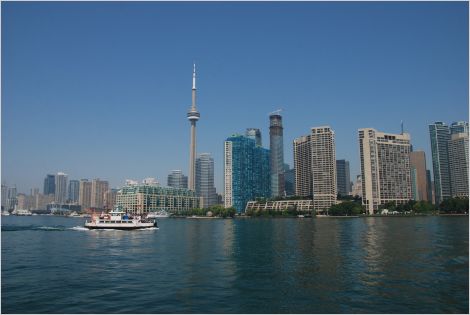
(430, 186)
(205, 180)
(303, 166)
(276, 146)
(4, 195)
(385, 168)
(98, 189)
(12, 200)
(193, 117)
(74, 190)
(110, 198)
(255, 134)
(60, 188)
(458, 158)
(315, 167)
(459, 127)
(323, 167)
(419, 183)
(343, 182)
(176, 179)
(84, 195)
(289, 182)
(246, 172)
(357, 187)
(440, 136)
(49, 184)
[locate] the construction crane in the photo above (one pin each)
(276, 112)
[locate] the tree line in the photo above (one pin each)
(216, 211)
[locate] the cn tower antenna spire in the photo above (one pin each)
(194, 76)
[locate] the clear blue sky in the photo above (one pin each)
(102, 89)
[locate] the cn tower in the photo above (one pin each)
(193, 116)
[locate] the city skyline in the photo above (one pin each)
(88, 124)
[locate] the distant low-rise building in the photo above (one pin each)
(41, 201)
(149, 198)
(281, 205)
(25, 201)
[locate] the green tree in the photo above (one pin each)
(454, 205)
(345, 208)
(423, 207)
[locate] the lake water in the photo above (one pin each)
(320, 265)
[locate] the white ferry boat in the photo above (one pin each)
(22, 212)
(119, 220)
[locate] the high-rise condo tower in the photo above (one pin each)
(440, 137)
(277, 154)
(193, 117)
(385, 168)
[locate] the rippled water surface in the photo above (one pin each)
(323, 265)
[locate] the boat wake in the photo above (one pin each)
(14, 228)
(149, 229)
(56, 228)
(79, 228)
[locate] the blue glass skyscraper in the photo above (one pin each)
(246, 172)
(440, 136)
(49, 185)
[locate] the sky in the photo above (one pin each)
(101, 89)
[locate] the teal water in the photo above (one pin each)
(323, 265)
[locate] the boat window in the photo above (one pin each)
(101, 221)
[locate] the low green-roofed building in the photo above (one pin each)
(150, 198)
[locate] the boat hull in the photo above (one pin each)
(105, 226)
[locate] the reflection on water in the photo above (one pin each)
(345, 265)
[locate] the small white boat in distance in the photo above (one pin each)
(158, 214)
(119, 220)
(22, 212)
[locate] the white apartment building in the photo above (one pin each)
(84, 195)
(385, 168)
(98, 189)
(458, 160)
(315, 167)
(323, 167)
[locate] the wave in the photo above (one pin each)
(14, 228)
(149, 229)
(79, 228)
